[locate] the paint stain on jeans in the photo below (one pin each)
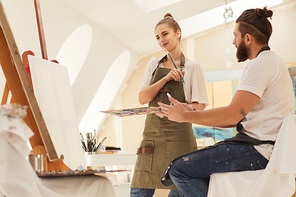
(185, 159)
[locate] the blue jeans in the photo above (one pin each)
(143, 192)
(191, 174)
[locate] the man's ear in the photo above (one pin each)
(248, 38)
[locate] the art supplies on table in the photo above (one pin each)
(67, 173)
(91, 144)
(133, 111)
(99, 145)
(51, 174)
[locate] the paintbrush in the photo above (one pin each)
(182, 80)
(83, 143)
(100, 144)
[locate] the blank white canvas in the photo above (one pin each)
(53, 92)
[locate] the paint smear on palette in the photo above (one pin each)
(133, 111)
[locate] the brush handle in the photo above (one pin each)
(182, 80)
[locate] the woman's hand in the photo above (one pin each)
(161, 115)
(174, 74)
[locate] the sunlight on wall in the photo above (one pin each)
(106, 93)
(74, 50)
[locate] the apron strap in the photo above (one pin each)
(182, 60)
(164, 58)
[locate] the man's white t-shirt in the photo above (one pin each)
(267, 77)
(194, 87)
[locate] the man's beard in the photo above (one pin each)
(242, 52)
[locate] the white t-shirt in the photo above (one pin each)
(267, 77)
(194, 87)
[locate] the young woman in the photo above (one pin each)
(163, 139)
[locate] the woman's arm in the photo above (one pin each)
(197, 106)
(150, 92)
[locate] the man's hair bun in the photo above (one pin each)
(263, 12)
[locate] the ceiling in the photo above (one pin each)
(127, 22)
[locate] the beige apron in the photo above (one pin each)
(163, 140)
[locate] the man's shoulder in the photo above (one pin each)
(266, 57)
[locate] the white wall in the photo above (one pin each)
(59, 21)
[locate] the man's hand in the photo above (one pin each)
(175, 111)
(187, 107)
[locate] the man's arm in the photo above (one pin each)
(227, 116)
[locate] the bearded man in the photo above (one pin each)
(263, 98)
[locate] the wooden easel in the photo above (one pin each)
(19, 84)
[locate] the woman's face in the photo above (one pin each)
(166, 36)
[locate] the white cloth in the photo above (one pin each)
(80, 186)
(267, 77)
(195, 86)
(277, 180)
(17, 177)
